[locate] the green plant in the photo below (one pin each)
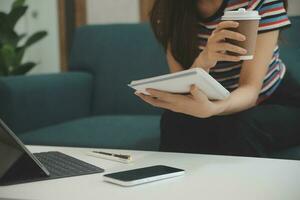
(11, 51)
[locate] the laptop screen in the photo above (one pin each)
(16, 160)
(10, 152)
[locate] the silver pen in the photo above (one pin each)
(111, 156)
(122, 156)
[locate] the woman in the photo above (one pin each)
(263, 111)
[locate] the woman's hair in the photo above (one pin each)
(174, 23)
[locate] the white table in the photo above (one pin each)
(207, 178)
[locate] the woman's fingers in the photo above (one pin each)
(220, 47)
(226, 25)
(164, 96)
(154, 102)
(227, 34)
(217, 46)
(196, 93)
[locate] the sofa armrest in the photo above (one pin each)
(31, 102)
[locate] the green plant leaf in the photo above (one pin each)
(23, 69)
(35, 38)
(3, 22)
(20, 51)
(15, 14)
(18, 3)
(7, 33)
(3, 67)
(21, 36)
(9, 37)
(2, 73)
(8, 55)
(3, 17)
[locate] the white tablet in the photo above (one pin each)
(181, 82)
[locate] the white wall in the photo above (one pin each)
(112, 11)
(294, 7)
(46, 52)
(127, 11)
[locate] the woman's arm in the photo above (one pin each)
(215, 49)
(252, 76)
(243, 98)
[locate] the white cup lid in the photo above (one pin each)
(241, 14)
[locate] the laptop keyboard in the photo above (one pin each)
(60, 165)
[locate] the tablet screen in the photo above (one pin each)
(16, 162)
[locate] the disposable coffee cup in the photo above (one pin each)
(248, 26)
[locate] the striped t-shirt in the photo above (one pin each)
(274, 17)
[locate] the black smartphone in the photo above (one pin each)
(143, 175)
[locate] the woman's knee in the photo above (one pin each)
(183, 133)
(176, 121)
(247, 136)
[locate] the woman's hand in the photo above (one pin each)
(196, 104)
(217, 46)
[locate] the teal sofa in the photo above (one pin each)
(91, 104)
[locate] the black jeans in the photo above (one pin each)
(269, 127)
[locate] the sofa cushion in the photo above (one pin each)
(115, 55)
(36, 101)
(292, 153)
(124, 131)
(290, 48)
(140, 132)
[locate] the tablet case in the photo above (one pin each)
(181, 82)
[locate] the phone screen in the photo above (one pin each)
(142, 173)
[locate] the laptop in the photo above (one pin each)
(18, 165)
